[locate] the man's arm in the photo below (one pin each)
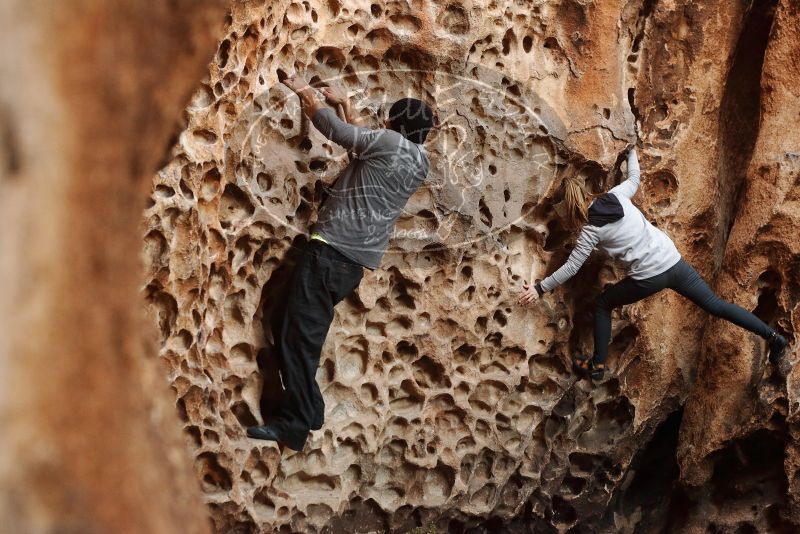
(325, 119)
(341, 102)
(359, 140)
(628, 187)
(309, 102)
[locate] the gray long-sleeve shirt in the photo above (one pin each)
(645, 250)
(358, 217)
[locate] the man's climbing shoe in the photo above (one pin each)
(586, 366)
(269, 433)
(266, 433)
(319, 419)
(777, 347)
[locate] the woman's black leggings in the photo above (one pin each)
(681, 278)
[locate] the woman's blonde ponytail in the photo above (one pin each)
(577, 201)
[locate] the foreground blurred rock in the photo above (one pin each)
(448, 405)
(90, 93)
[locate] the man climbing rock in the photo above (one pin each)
(352, 232)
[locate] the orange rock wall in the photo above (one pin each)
(448, 405)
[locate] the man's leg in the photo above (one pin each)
(315, 289)
(307, 317)
(626, 291)
(343, 277)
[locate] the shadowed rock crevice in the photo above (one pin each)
(740, 111)
(746, 493)
(648, 484)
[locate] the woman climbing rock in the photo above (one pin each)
(612, 223)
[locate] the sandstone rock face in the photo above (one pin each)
(447, 404)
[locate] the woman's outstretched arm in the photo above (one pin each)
(586, 243)
(628, 187)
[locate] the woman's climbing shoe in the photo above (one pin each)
(586, 365)
(777, 354)
(777, 347)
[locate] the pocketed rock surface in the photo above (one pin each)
(449, 406)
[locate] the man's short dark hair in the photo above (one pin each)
(412, 118)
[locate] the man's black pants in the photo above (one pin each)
(322, 278)
(681, 278)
